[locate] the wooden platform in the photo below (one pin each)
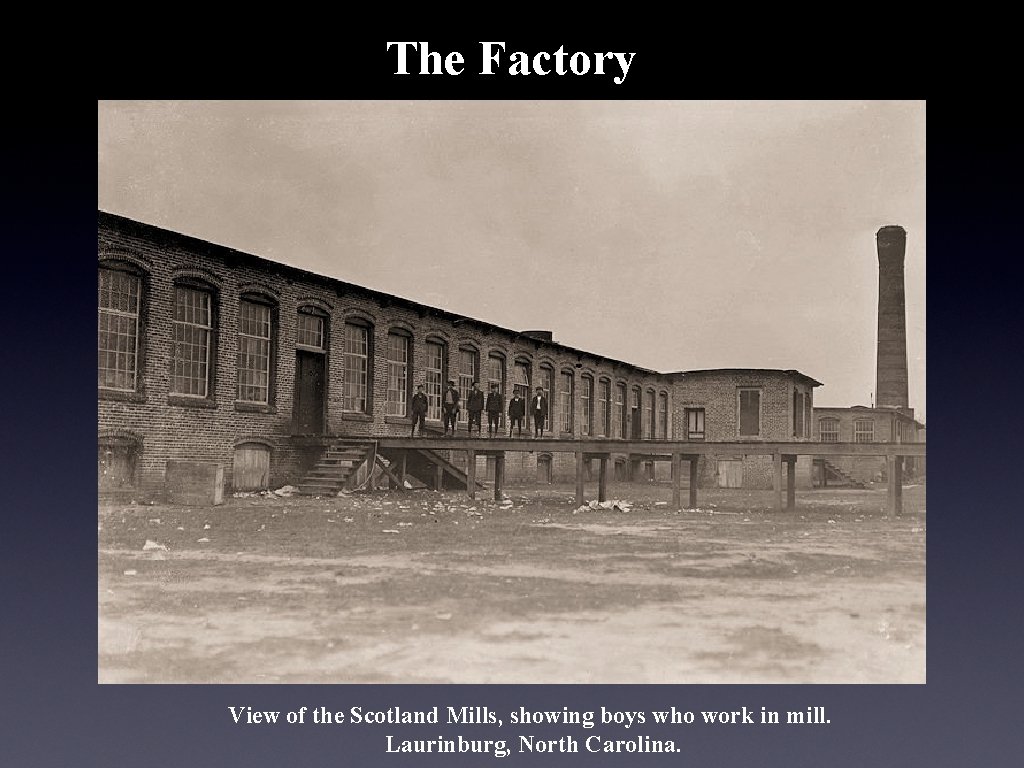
(675, 451)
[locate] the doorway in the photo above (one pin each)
(310, 389)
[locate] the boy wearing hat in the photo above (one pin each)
(450, 407)
(475, 404)
(495, 405)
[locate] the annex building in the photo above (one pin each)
(210, 354)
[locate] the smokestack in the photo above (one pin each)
(891, 365)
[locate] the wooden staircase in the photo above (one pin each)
(334, 469)
(423, 464)
(832, 472)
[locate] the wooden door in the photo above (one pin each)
(309, 393)
(251, 470)
(730, 473)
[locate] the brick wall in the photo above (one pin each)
(717, 392)
(165, 426)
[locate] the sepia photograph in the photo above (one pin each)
(529, 392)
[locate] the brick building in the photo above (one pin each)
(861, 424)
(210, 354)
(745, 405)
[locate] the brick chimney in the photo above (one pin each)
(891, 365)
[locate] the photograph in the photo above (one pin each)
(511, 392)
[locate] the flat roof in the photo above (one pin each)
(785, 371)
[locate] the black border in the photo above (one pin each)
(54, 712)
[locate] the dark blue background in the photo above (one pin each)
(54, 713)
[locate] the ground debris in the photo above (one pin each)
(151, 546)
(615, 505)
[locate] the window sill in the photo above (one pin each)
(191, 402)
(122, 396)
(351, 416)
(244, 407)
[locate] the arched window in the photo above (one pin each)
(121, 333)
(399, 354)
(604, 407)
(547, 380)
(586, 404)
(255, 363)
(521, 379)
(663, 415)
(620, 427)
(828, 429)
(469, 373)
(436, 376)
(194, 351)
(357, 393)
(566, 381)
(496, 371)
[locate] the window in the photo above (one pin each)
(309, 330)
(521, 379)
(435, 383)
(750, 412)
(355, 398)
(863, 431)
(635, 415)
(663, 415)
(398, 374)
(253, 362)
(469, 372)
(828, 430)
(565, 383)
(650, 414)
(798, 413)
(586, 399)
(547, 377)
(119, 303)
(694, 423)
(604, 407)
(193, 339)
(496, 372)
(619, 418)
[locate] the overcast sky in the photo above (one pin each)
(675, 235)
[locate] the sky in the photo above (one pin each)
(675, 235)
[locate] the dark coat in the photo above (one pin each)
(419, 404)
(475, 401)
(495, 402)
(543, 410)
(516, 408)
(455, 400)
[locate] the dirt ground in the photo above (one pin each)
(419, 587)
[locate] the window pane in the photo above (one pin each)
(663, 416)
(603, 407)
(357, 342)
(310, 331)
(192, 328)
(398, 374)
(521, 380)
(864, 431)
(253, 352)
(435, 383)
(118, 329)
(828, 429)
(619, 418)
(469, 364)
(750, 405)
(586, 392)
(565, 401)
